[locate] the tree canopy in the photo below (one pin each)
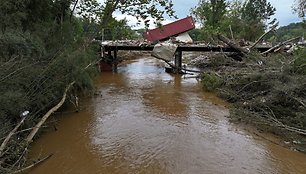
(300, 8)
(246, 19)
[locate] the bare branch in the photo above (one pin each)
(262, 36)
(280, 44)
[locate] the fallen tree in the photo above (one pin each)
(268, 93)
(47, 115)
(248, 49)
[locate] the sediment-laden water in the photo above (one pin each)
(144, 120)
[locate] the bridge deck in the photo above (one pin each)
(196, 48)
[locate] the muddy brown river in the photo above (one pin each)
(144, 120)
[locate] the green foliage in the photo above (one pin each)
(210, 81)
(299, 64)
(257, 11)
(19, 44)
(13, 14)
(210, 12)
(118, 30)
(142, 10)
(300, 8)
(198, 34)
(42, 50)
(247, 19)
(211, 15)
(288, 32)
(254, 15)
(44, 47)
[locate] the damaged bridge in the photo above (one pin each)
(169, 41)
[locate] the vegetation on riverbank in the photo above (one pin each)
(268, 92)
(42, 51)
(46, 47)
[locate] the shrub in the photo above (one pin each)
(210, 82)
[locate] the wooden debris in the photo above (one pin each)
(46, 116)
(262, 36)
(33, 165)
(9, 136)
(279, 45)
(233, 44)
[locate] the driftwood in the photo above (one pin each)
(280, 44)
(246, 51)
(262, 36)
(286, 127)
(46, 116)
(233, 44)
(9, 136)
(33, 165)
(230, 27)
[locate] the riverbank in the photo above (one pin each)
(267, 93)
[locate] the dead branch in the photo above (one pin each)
(299, 101)
(230, 27)
(262, 36)
(33, 165)
(20, 157)
(24, 130)
(232, 44)
(286, 127)
(46, 116)
(6, 140)
(17, 70)
(279, 45)
(92, 63)
(74, 6)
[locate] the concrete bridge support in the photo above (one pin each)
(178, 61)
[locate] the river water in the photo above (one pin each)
(144, 120)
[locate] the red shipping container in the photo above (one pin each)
(170, 29)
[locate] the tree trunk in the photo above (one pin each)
(280, 44)
(232, 44)
(262, 36)
(46, 116)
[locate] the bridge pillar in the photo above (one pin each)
(178, 61)
(115, 61)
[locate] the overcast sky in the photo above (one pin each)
(283, 12)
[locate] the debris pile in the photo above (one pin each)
(267, 92)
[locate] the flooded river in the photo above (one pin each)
(146, 121)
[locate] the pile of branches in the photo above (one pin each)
(268, 90)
